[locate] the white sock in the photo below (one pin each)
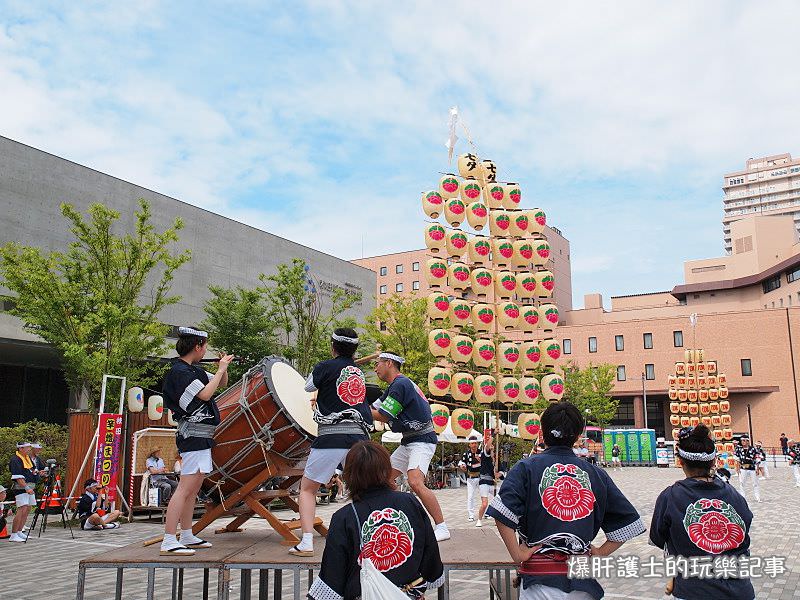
(187, 537)
(170, 541)
(307, 543)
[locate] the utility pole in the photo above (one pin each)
(644, 399)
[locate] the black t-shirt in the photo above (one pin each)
(615, 451)
(408, 410)
(181, 386)
(487, 468)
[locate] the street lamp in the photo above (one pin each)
(644, 399)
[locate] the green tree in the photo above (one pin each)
(590, 389)
(98, 302)
(240, 322)
(303, 326)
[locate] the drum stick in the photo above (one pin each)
(368, 358)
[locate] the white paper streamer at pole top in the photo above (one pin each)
(450, 144)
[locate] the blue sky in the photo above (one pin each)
(323, 121)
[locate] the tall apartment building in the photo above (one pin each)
(767, 186)
(403, 273)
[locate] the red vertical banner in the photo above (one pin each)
(107, 459)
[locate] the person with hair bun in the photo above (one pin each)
(343, 418)
(552, 505)
(702, 515)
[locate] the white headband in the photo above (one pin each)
(36, 446)
(394, 357)
(24, 445)
(701, 456)
(190, 331)
(345, 339)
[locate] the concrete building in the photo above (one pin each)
(749, 321)
(224, 252)
(767, 186)
(402, 273)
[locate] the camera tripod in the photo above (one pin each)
(44, 508)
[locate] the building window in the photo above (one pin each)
(566, 346)
(415, 285)
(398, 287)
(415, 266)
(382, 325)
(398, 269)
(677, 339)
(383, 289)
(648, 341)
(619, 343)
(621, 373)
(650, 372)
(747, 368)
(793, 275)
(384, 271)
(773, 283)
(592, 344)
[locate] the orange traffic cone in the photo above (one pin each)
(4, 534)
(54, 504)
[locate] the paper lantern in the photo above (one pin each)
(682, 381)
(530, 355)
(440, 415)
(674, 420)
(499, 222)
(456, 243)
(714, 406)
(513, 196)
(693, 408)
(673, 393)
(711, 367)
(477, 215)
(155, 408)
(530, 390)
(439, 381)
(705, 409)
(551, 351)
(483, 353)
(685, 421)
(706, 421)
(672, 381)
(508, 315)
(549, 315)
(711, 380)
(723, 391)
(524, 421)
(553, 387)
(520, 223)
(529, 319)
(494, 194)
(731, 462)
(439, 342)
(471, 191)
(482, 280)
(702, 395)
(438, 306)
(701, 368)
(171, 419)
(479, 249)
(722, 379)
(527, 285)
(541, 252)
(483, 317)
(545, 283)
(683, 395)
(688, 356)
(436, 272)
(724, 406)
(435, 237)
(537, 219)
(729, 448)
(507, 355)
(699, 355)
(691, 382)
(505, 284)
(691, 368)
(684, 407)
(135, 399)
(455, 211)
(460, 313)
(680, 368)
(462, 421)
(691, 395)
(462, 386)
(488, 171)
(713, 393)
(449, 186)
(459, 276)
(694, 421)
(675, 433)
(485, 389)
(502, 252)
(462, 348)
(727, 432)
(726, 419)
(523, 253)
(508, 391)
(468, 165)
(432, 204)
(674, 407)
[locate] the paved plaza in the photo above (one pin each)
(46, 568)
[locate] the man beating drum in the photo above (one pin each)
(407, 411)
(188, 391)
(343, 418)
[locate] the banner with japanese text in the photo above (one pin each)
(106, 465)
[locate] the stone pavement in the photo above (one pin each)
(46, 568)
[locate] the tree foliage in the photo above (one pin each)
(590, 389)
(98, 302)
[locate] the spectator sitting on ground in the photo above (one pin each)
(158, 479)
(92, 509)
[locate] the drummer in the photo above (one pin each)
(406, 409)
(343, 417)
(188, 391)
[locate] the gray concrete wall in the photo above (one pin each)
(224, 252)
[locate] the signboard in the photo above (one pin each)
(106, 464)
(665, 456)
(636, 445)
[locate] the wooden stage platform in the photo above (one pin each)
(262, 551)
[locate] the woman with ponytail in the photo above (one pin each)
(701, 516)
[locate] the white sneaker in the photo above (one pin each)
(471, 518)
(441, 532)
(762, 478)
(22, 535)
(16, 538)
(478, 523)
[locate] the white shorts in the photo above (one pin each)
(88, 526)
(615, 459)
(538, 591)
(196, 461)
(26, 500)
(486, 490)
(323, 462)
(416, 455)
